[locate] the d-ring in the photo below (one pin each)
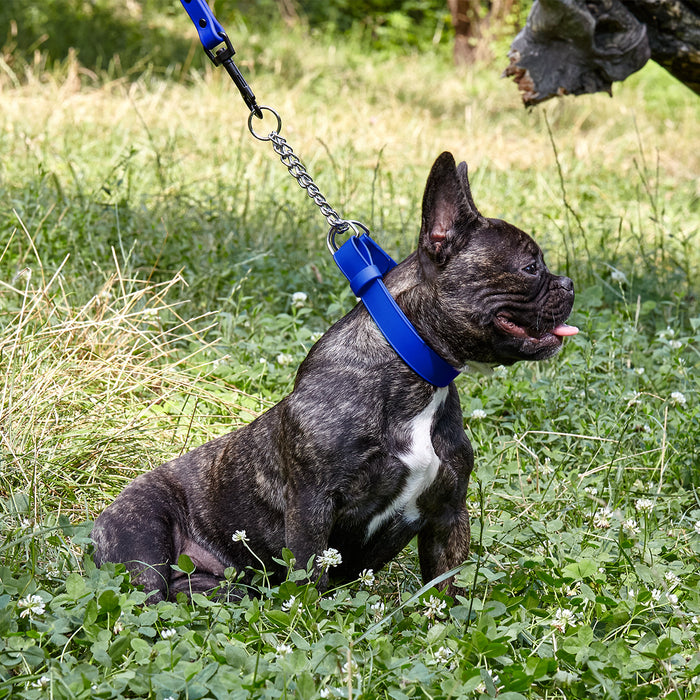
(341, 228)
(274, 131)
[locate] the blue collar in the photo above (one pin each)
(364, 264)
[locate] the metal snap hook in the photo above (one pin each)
(274, 131)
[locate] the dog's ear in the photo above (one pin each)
(449, 212)
(462, 171)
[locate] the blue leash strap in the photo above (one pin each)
(212, 34)
(207, 26)
(364, 264)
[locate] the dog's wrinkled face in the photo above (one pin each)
(488, 277)
(527, 305)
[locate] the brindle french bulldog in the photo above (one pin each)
(363, 454)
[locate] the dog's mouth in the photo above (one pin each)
(536, 336)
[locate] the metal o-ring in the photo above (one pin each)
(274, 131)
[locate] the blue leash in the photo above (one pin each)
(360, 259)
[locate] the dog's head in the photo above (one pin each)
(489, 283)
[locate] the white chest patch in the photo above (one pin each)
(422, 463)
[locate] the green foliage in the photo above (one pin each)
(106, 36)
(128, 39)
(161, 276)
(395, 24)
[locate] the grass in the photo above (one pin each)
(150, 251)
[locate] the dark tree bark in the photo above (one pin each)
(583, 46)
(466, 29)
(471, 20)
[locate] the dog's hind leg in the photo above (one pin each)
(141, 530)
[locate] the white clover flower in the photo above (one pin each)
(287, 604)
(630, 527)
(168, 633)
(478, 414)
(299, 299)
(434, 607)
(350, 668)
(675, 344)
(696, 527)
(644, 505)
(366, 577)
(667, 333)
(546, 467)
(563, 618)
(678, 399)
(442, 655)
(282, 649)
(284, 358)
(672, 598)
(591, 490)
(377, 609)
(324, 692)
(601, 519)
(618, 276)
(571, 591)
(330, 557)
(239, 536)
(31, 605)
(41, 682)
(656, 595)
(639, 370)
(672, 580)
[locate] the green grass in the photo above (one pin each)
(149, 252)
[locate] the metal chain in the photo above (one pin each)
(300, 174)
(296, 169)
(212, 36)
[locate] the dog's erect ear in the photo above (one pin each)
(464, 179)
(448, 209)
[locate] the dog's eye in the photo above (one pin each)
(531, 269)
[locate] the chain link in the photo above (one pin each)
(299, 173)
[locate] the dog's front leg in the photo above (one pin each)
(443, 544)
(307, 525)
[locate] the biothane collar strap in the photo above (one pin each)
(364, 264)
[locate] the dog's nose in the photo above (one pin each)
(566, 283)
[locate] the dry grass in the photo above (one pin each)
(96, 393)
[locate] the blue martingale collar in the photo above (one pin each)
(364, 264)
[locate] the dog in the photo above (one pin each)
(363, 454)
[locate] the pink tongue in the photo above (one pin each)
(565, 330)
